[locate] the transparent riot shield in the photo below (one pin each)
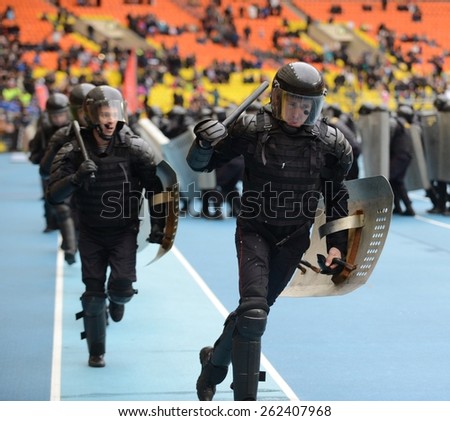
(417, 176)
(444, 145)
(429, 122)
(374, 128)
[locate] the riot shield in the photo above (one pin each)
(444, 145)
(370, 210)
(429, 122)
(170, 198)
(417, 176)
(374, 128)
(191, 182)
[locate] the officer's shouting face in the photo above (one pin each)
(108, 118)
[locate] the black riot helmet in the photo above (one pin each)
(104, 97)
(301, 82)
(77, 96)
(406, 112)
(442, 103)
(57, 108)
(57, 103)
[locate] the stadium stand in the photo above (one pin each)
(397, 18)
(179, 29)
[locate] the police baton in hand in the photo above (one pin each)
(76, 129)
(245, 104)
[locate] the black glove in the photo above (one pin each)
(327, 270)
(156, 234)
(210, 132)
(84, 171)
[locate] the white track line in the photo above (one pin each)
(285, 388)
(433, 222)
(55, 392)
(55, 385)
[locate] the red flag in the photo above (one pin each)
(130, 92)
(41, 93)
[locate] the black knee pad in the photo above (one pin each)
(252, 323)
(121, 292)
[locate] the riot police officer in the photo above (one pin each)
(55, 116)
(345, 123)
(65, 212)
(441, 178)
(107, 187)
(400, 156)
(291, 158)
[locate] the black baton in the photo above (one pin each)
(245, 104)
(76, 129)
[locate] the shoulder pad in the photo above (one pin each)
(69, 147)
(61, 134)
(246, 123)
(141, 149)
(335, 143)
(126, 131)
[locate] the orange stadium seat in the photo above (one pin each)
(435, 15)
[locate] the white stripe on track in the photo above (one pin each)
(55, 390)
(432, 222)
(55, 385)
(285, 388)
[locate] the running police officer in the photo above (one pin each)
(107, 187)
(55, 116)
(291, 157)
(65, 212)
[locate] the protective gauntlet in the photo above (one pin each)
(210, 132)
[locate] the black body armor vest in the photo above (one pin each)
(113, 198)
(282, 181)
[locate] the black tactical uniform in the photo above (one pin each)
(107, 188)
(345, 123)
(400, 156)
(290, 159)
(65, 212)
(55, 117)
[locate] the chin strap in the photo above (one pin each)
(100, 133)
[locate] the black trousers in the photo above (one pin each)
(265, 268)
(102, 248)
(264, 271)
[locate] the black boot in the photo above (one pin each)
(210, 375)
(94, 320)
(116, 311)
(409, 211)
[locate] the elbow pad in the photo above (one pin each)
(198, 158)
(61, 190)
(337, 145)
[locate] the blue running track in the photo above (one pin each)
(387, 341)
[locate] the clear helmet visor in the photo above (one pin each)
(59, 118)
(100, 112)
(296, 110)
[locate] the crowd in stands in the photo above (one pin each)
(217, 23)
